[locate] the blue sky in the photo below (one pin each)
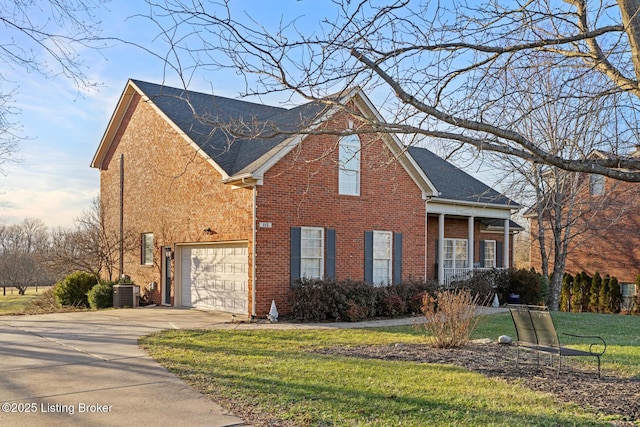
(62, 127)
(52, 179)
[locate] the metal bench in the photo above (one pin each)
(536, 332)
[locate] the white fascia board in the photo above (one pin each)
(114, 123)
(180, 132)
(452, 207)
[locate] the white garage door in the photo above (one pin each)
(215, 277)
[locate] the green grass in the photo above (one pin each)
(275, 372)
(14, 303)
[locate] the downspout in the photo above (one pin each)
(253, 267)
(121, 219)
(426, 238)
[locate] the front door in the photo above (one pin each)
(166, 276)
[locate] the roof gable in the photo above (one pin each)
(453, 183)
(203, 117)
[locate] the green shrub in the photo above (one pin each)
(72, 290)
(351, 300)
(528, 284)
(594, 293)
(615, 295)
(483, 285)
(565, 294)
(101, 296)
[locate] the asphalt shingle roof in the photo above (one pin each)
(202, 118)
(201, 115)
(454, 183)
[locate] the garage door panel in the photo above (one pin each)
(215, 277)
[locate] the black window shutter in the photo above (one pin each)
(397, 258)
(368, 256)
(499, 254)
(481, 253)
(296, 236)
(330, 254)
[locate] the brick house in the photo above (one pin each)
(606, 231)
(229, 223)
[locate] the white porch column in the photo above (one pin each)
(470, 243)
(505, 248)
(441, 249)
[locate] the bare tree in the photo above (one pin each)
(432, 64)
(91, 246)
(560, 209)
(23, 250)
(46, 38)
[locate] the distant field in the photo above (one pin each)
(13, 303)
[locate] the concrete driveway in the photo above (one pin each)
(85, 369)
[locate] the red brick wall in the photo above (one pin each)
(302, 190)
(170, 191)
(607, 236)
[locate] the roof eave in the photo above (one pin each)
(511, 207)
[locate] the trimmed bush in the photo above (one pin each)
(351, 300)
(72, 290)
(483, 285)
(528, 284)
(101, 296)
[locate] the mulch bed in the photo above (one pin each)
(609, 395)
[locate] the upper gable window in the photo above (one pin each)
(596, 185)
(349, 158)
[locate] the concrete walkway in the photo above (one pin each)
(86, 369)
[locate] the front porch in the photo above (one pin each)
(469, 239)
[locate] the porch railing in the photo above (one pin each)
(458, 274)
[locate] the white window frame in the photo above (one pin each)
(146, 249)
(596, 185)
(456, 257)
(349, 165)
(382, 257)
(490, 261)
(307, 258)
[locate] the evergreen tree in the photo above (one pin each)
(594, 293)
(576, 293)
(603, 300)
(565, 294)
(585, 287)
(615, 296)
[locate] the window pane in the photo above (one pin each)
(349, 165)
(382, 257)
(348, 182)
(461, 253)
(381, 271)
(596, 184)
(147, 248)
(490, 254)
(311, 253)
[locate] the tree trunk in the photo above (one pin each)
(629, 10)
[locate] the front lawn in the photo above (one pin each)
(14, 303)
(275, 373)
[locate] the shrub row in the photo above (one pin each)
(530, 286)
(583, 293)
(82, 290)
(350, 300)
